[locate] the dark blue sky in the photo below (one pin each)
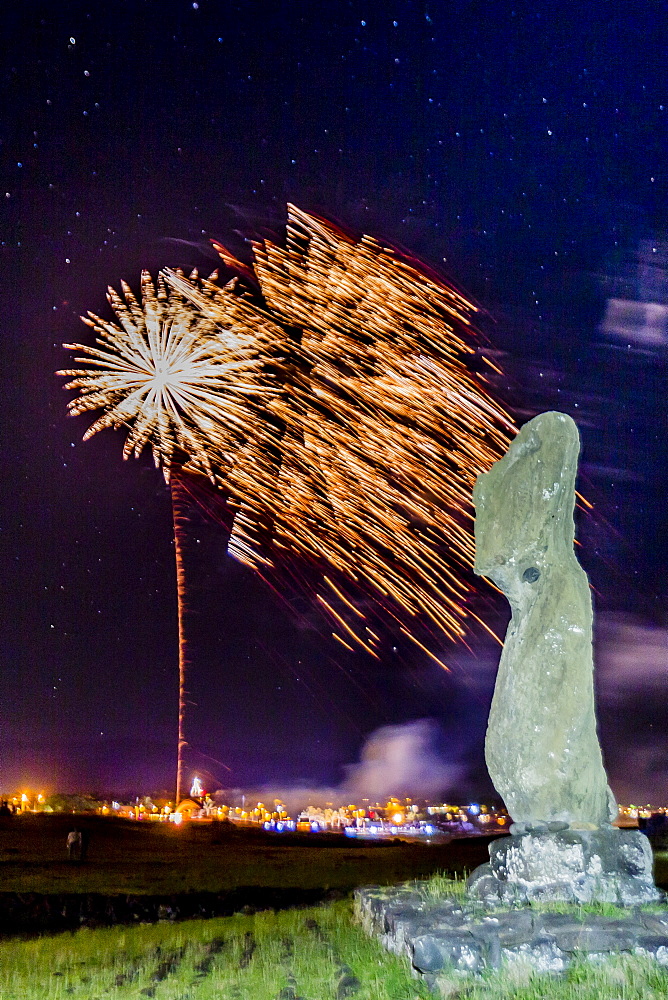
(521, 148)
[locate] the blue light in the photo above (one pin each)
(474, 809)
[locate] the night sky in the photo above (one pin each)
(521, 149)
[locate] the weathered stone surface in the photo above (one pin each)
(398, 916)
(456, 949)
(483, 885)
(542, 750)
(455, 936)
(552, 892)
(547, 923)
(594, 938)
(653, 946)
(540, 956)
(528, 858)
(446, 916)
(577, 866)
(655, 923)
(510, 929)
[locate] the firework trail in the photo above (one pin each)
(381, 430)
(193, 389)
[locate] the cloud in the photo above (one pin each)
(644, 323)
(631, 656)
(632, 683)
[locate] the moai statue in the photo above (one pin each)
(542, 749)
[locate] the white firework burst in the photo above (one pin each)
(192, 388)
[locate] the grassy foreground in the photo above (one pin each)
(313, 954)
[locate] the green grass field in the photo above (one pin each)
(311, 954)
(300, 952)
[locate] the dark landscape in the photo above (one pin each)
(147, 872)
(152, 859)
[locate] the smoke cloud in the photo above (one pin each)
(407, 759)
(402, 760)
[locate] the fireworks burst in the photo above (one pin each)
(339, 415)
(173, 378)
(382, 430)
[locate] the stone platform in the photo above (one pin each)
(604, 865)
(454, 934)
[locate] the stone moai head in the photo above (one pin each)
(525, 511)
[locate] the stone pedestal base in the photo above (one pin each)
(447, 938)
(577, 866)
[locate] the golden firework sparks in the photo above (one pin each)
(340, 416)
(382, 429)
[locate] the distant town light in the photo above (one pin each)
(196, 788)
